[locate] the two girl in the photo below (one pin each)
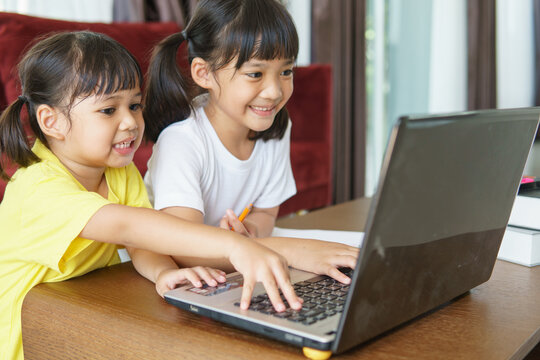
(77, 195)
(224, 143)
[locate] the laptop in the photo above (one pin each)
(433, 232)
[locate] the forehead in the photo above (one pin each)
(119, 95)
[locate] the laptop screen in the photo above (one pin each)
(445, 194)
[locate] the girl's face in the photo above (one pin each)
(105, 130)
(251, 96)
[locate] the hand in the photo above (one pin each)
(231, 222)
(170, 278)
(323, 257)
(259, 264)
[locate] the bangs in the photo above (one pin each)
(113, 70)
(254, 34)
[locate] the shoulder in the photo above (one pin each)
(43, 173)
(177, 134)
(127, 184)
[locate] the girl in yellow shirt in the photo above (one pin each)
(77, 195)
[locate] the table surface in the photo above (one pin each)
(114, 313)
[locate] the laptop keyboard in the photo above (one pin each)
(323, 297)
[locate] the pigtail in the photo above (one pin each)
(13, 141)
(166, 99)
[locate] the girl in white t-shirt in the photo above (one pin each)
(224, 143)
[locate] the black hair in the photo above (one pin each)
(219, 31)
(56, 71)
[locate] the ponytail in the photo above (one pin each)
(167, 99)
(13, 142)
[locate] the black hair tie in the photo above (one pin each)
(23, 98)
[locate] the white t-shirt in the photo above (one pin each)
(190, 167)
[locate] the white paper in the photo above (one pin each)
(352, 238)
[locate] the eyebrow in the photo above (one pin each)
(258, 63)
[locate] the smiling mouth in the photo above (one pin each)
(123, 145)
(263, 110)
(260, 108)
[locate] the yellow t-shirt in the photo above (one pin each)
(41, 216)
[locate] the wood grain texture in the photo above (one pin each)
(114, 313)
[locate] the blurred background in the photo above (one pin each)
(389, 58)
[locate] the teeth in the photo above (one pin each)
(261, 108)
(123, 145)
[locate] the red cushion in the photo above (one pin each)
(17, 33)
(310, 109)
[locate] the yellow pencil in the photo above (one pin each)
(245, 212)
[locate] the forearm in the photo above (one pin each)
(286, 247)
(159, 232)
(263, 220)
(150, 264)
(222, 264)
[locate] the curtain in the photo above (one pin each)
(482, 66)
(177, 11)
(536, 4)
(338, 39)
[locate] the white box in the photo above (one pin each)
(521, 246)
(525, 212)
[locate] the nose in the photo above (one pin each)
(129, 121)
(272, 89)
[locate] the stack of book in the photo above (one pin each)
(521, 241)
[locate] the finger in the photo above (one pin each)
(338, 275)
(192, 277)
(273, 293)
(247, 292)
(285, 285)
(224, 223)
(204, 274)
(161, 289)
(345, 261)
(217, 274)
(235, 223)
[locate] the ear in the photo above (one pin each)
(200, 73)
(51, 122)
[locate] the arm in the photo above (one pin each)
(320, 257)
(196, 216)
(162, 233)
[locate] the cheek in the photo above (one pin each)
(288, 90)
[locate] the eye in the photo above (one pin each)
(135, 107)
(254, 75)
(108, 111)
(287, 72)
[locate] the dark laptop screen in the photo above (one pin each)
(446, 191)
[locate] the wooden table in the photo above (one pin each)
(114, 313)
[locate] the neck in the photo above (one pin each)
(232, 135)
(91, 178)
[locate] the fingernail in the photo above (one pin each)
(280, 307)
(198, 283)
(222, 278)
(213, 283)
(244, 305)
